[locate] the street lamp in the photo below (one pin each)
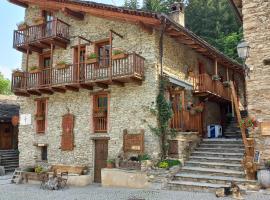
(243, 50)
(243, 53)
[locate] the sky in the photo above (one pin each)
(10, 16)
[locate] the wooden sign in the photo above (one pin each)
(265, 128)
(133, 142)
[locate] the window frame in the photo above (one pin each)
(41, 125)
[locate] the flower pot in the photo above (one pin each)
(91, 61)
(61, 66)
(18, 74)
(35, 71)
(38, 21)
(264, 178)
(110, 165)
(119, 56)
(22, 27)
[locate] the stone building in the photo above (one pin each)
(255, 16)
(90, 73)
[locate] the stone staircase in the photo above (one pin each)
(9, 159)
(214, 164)
(232, 130)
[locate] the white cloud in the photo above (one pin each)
(6, 72)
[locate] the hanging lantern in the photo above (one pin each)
(243, 50)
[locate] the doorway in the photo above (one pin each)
(101, 155)
(6, 136)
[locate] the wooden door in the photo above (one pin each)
(6, 136)
(101, 155)
(45, 65)
(201, 68)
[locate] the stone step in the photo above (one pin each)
(213, 171)
(217, 154)
(194, 186)
(212, 179)
(215, 165)
(241, 146)
(222, 141)
(222, 150)
(216, 159)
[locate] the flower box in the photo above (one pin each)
(39, 21)
(18, 73)
(91, 61)
(22, 26)
(61, 66)
(119, 56)
(34, 71)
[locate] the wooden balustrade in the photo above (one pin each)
(183, 120)
(203, 83)
(37, 36)
(131, 67)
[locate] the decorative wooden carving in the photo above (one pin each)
(133, 142)
(67, 142)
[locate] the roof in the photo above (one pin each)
(144, 18)
(8, 108)
(237, 7)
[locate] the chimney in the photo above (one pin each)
(177, 13)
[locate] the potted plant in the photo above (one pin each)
(118, 54)
(215, 77)
(17, 72)
(61, 65)
(38, 20)
(145, 161)
(92, 58)
(22, 26)
(248, 123)
(111, 163)
(264, 175)
(34, 69)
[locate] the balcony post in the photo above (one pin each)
(110, 62)
(227, 74)
(27, 60)
(79, 57)
(51, 63)
(216, 67)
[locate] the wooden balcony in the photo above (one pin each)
(214, 90)
(38, 37)
(81, 75)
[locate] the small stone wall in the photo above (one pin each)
(187, 142)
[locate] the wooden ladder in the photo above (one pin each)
(17, 176)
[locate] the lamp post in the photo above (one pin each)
(243, 53)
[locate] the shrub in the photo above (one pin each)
(111, 161)
(168, 163)
(144, 157)
(38, 169)
(33, 68)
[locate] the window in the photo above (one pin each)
(48, 16)
(82, 54)
(100, 112)
(44, 153)
(41, 115)
(103, 53)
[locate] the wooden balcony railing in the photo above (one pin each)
(33, 35)
(124, 70)
(185, 121)
(203, 83)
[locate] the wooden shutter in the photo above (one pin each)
(41, 115)
(67, 142)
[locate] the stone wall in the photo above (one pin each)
(256, 19)
(129, 105)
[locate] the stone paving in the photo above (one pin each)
(95, 192)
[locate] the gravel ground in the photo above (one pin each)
(95, 192)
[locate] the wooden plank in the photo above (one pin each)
(19, 3)
(74, 14)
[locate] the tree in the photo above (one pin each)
(4, 85)
(132, 4)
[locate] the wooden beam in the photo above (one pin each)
(75, 14)
(46, 91)
(216, 67)
(101, 85)
(72, 88)
(86, 86)
(145, 28)
(19, 3)
(119, 35)
(116, 82)
(34, 48)
(34, 92)
(59, 89)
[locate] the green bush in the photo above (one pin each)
(92, 56)
(38, 169)
(168, 163)
(144, 157)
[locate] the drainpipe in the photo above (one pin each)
(164, 20)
